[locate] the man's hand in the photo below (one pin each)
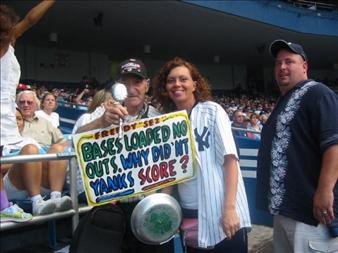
(114, 111)
(323, 206)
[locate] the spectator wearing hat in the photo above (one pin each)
(23, 86)
(298, 157)
(133, 74)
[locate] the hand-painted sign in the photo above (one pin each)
(153, 153)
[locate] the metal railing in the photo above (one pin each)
(245, 130)
(74, 212)
(315, 5)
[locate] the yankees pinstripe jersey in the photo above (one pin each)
(212, 130)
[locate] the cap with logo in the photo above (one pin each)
(277, 45)
(133, 66)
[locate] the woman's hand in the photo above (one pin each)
(230, 222)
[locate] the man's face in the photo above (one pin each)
(137, 88)
(290, 69)
(238, 118)
(27, 105)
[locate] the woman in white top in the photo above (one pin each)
(11, 29)
(48, 106)
(216, 194)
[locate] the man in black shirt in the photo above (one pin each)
(298, 157)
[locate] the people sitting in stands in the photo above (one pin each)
(262, 119)
(56, 92)
(238, 122)
(48, 106)
(95, 110)
(255, 126)
(81, 98)
(40, 91)
(62, 96)
(14, 149)
(45, 177)
(10, 212)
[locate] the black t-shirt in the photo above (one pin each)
(302, 126)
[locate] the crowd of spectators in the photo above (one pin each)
(40, 182)
(254, 109)
(247, 112)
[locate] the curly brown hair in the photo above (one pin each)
(160, 96)
(8, 19)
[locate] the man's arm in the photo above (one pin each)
(32, 17)
(95, 124)
(111, 116)
(324, 196)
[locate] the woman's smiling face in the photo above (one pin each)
(180, 86)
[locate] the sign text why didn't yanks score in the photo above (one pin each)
(152, 154)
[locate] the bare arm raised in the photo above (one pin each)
(31, 18)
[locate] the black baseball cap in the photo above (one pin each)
(133, 66)
(293, 47)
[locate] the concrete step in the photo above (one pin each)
(260, 239)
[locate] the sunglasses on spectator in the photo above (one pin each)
(23, 102)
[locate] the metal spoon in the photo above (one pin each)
(119, 93)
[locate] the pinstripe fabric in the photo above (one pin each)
(214, 140)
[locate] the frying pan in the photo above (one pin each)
(156, 219)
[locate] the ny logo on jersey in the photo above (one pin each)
(203, 139)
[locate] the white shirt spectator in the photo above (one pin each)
(53, 117)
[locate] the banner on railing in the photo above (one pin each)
(151, 154)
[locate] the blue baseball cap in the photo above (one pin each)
(279, 44)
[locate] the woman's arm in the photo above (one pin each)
(32, 17)
(230, 218)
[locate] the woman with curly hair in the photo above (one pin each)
(216, 194)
